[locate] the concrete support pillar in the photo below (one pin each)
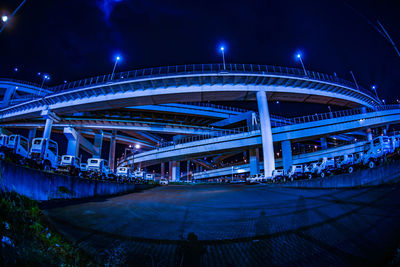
(254, 161)
(32, 134)
(162, 169)
(170, 171)
(324, 143)
(98, 144)
(385, 130)
(50, 117)
(197, 167)
(369, 134)
(8, 95)
(266, 134)
(176, 171)
(187, 170)
(286, 154)
(113, 143)
(47, 128)
(73, 141)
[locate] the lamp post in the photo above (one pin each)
(45, 77)
(223, 56)
(115, 65)
(302, 64)
(130, 148)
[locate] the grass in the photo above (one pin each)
(27, 239)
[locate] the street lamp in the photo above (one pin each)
(45, 77)
(115, 65)
(4, 18)
(302, 64)
(223, 56)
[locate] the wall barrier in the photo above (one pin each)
(379, 175)
(39, 185)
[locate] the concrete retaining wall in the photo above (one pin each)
(365, 177)
(39, 185)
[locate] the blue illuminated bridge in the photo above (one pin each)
(167, 109)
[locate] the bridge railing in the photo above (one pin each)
(201, 104)
(217, 133)
(338, 114)
(207, 68)
(24, 82)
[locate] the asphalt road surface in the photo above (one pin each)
(238, 225)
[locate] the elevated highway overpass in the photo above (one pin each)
(341, 122)
(170, 89)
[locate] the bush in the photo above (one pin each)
(28, 240)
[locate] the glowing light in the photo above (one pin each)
(137, 146)
(118, 58)
(373, 87)
(222, 48)
(16, 69)
(4, 19)
(298, 55)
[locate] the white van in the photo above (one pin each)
(44, 152)
(70, 165)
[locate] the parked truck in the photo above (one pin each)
(16, 148)
(44, 154)
(98, 168)
(69, 165)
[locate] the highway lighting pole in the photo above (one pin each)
(115, 65)
(45, 77)
(223, 56)
(302, 64)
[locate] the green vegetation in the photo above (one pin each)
(28, 240)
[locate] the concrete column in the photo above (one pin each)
(98, 144)
(113, 143)
(286, 154)
(254, 161)
(385, 129)
(369, 134)
(266, 134)
(170, 170)
(197, 167)
(50, 117)
(7, 96)
(32, 134)
(162, 169)
(176, 171)
(187, 170)
(324, 143)
(47, 128)
(73, 141)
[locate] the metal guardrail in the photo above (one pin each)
(207, 68)
(217, 133)
(23, 82)
(209, 105)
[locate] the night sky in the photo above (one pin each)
(77, 39)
